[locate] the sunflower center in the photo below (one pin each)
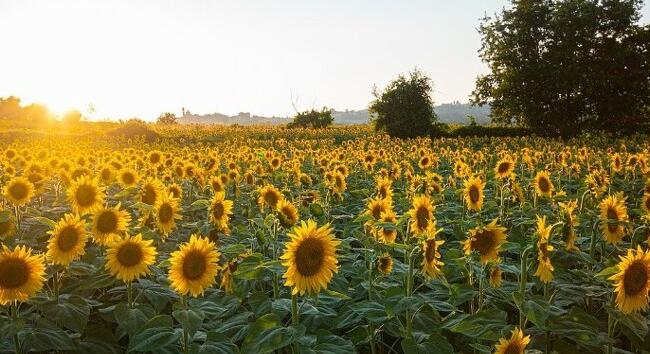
(85, 195)
(194, 265)
(165, 213)
(422, 217)
(612, 215)
(107, 222)
(67, 238)
(339, 182)
(474, 194)
(5, 227)
(384, 264)
(376, 211)
(129, 254)
(14, 273)
(513, 348)
(430, 254)
(128, 178)
(544, 185)
(217, 210)
(18, 191)
(309, 257)
(149, 195)
(383, 191)
(636, 278)
(270, 198)
(106, 174)
(503, 167)
(647, 203)
(483, 242)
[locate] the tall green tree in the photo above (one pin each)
(404, 108)
(312, 119)
(564, 66)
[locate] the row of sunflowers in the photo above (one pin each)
(324, 242)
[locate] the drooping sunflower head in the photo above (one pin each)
(176, 190)
(567, 213)
(22, 274)
(421, 214)
(287, 213)
(384, 188)
(129, 258)
(67, 240)
(543, 185)
(194, 266)
(385, 264)
(269, 197)
(85, 195)
(495, 275)
(167, 211)
(544, 248)
(431, 263)
(486, 240)
(19, 191)
(516, 344)
(310, 258)
(473, 193)
(632, 282)
(220, 211)
(387, 235)
(613, 216)
(109, 223)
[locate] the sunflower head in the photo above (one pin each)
(21, 274)
(129, 258)
(310, 258)
(220, 211)
(287, 213)
(613, 216)
(85, 195)
(486, 240)
(67, 240)
(8, 226)
(431, 263)
(385, 264)
(194, 266)
(632, 282)
(516, 344)
(151, 191)
(166, 212)
(504, 168)
(19, 191)
(269, 197)
(543, 185)
(109, 223)
(473, 193)
(421, 214)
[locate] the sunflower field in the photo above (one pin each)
(268, 240)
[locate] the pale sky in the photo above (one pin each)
(139, 58)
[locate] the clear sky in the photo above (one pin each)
(138, 58)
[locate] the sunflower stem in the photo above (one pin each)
(409, 290)
(129, 294)
(55, 286)
(14, 317)
(522, 282)
(294, 318)
(611, 324)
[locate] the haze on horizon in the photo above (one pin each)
(141, 58)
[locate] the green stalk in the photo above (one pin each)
(129, 294)
(14, 317)
(522, 282)
(611, 325)
(295, 318)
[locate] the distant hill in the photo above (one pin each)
(455, 112)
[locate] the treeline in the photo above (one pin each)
(12, 109)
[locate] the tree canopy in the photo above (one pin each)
(562, 67)
(312, 119)
(404, 108)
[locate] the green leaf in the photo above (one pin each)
(608, 272)
(5, 215)
(39, 339)
(217, 343)
(201, 203)
(45, 221)
(191, 320)
(485, 324)
(151, 339)
(266, 335)
(72, 313)
(129, 319)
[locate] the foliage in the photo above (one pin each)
(404, 109)
(71, 117)
(561, 67)
(312, 119)
(167, 118)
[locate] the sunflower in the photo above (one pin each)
(287, 213)
(220, 211)
(166, 213)
(473, 193)
(613, 213)
(567, 213)
(495, 275)
(504, 168)
(515, 345)
(543, 185)
(129, 258)
(377, 206)
(217, 185)
(431, 263)
(544, 249)
(421, 214)
(8, 227)
(67, 240)
(387, 234)
(19, 191)
(151, 191)
(21, 274)
(486, 241)
(176, 190)
(632, 282)
(85, 195)
(109, 223)
(645, 204)
(385, 264)
(194, 266)
(338, 185)
(384, 188)
(127, 177)
(269, 197)
(310, 258)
